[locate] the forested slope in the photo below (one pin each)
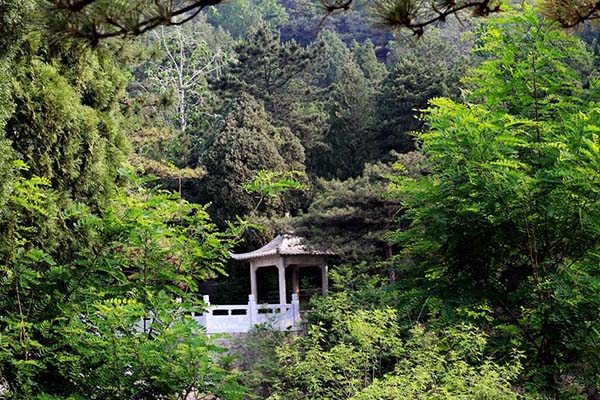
(454, 171)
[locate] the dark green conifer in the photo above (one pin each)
(419, 72)
(245, 144)
(351, 125)
(365, 56)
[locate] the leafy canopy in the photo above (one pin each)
(507, 217)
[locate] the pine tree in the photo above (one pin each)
(278, 74)
(268, 70)
(366, 57)
(238, 17)
(66, 124)
(351, 125)
(424, 70)
(353, 216)
(332, 57)
(245, 144)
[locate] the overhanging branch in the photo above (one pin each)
(94, 24)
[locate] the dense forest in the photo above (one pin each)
(447, 152)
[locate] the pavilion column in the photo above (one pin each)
(324, 278)
(295, 279)
(253, 287)
(281, 270)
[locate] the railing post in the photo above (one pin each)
(295, 308)
(324, 279)
(204, 320)
(252, 310)
(281, 274)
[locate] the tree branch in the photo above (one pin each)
(409, 14)
(110, 26)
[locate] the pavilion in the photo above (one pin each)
(286, 252)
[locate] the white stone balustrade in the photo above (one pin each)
(241, 318)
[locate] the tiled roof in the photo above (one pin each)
(284, 245)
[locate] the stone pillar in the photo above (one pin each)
(295, 309)
(204, 319)
(253, 287)
(295, 280)
(281, 270)
(324, 279)
(252, 310)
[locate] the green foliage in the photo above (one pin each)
(351, 217)
(363, 356)
(81, 148)
(96, 20)
(15, 19)
(351, 124)
(365, 56)
(506, 218)
(333, 56)
(256, 357)
(72, 324)
(246, 144)
(419, 71)
(320, 368)
(238, 17)
(81, 261)
(59, 108)
(119, 360)
(163, 243)
(266, 69)
(449, 366)
(272, 184)
(501, 203)
(278, 75)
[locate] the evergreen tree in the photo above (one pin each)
(59, 108)
(15, 17)
(245, 144)
(333, 55)
(268, 70)
(366, 58)
(419, 72)
(278, 75)
(351, 125)
(353, 216)
(238, 17)
(66, 124)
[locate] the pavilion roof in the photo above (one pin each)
(283, 245)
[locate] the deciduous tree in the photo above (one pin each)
(507, 217)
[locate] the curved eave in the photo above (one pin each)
(253, 255)
(285, 245)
